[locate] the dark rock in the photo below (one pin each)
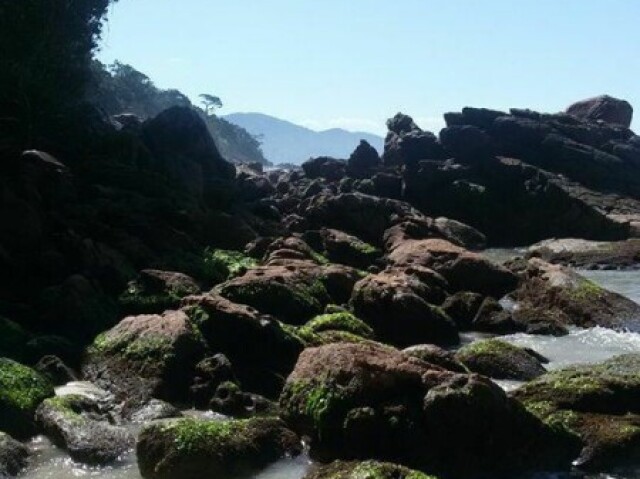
(54, 369)
(605, 108)
(229, 328)
(340, 247)
(21, 391)
(388, 185)
(366, 469)
(323, 167)
(500, 360)
(192, 449)
(401, 123)
(467, 143)
(363, 161)
(582, 253)
(72, 424)
(181, 143)
(463, 307)
(459, 233)
(430, 353)
(14, 456)
(144, 357)
(154, 292)
(210, 373)
(369, 400)
(230, 400)
(493, 318)
(395, 305)
(570, 297)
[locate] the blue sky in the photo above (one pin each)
(354, 63)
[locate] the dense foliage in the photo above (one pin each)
(47, 47)
(120, 88)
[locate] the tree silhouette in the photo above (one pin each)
(210, 102)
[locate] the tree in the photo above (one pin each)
(210, 103)
(47, 48)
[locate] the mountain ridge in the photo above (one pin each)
(286, 142)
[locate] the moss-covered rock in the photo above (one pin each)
(71, 423)
(430, 353)
(340, 321)
(146, 356)
(397, 307)
(156, 291)
(21, 391)
(13, 456)
(370, 400)
(293, 293)
(365, 470)
(192, 449)
(500, 360)
(598, 404)
(548, 290)
(222, 265)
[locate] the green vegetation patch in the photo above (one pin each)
(340, 321)
(222, 265)
(22, 388)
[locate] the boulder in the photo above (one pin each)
(369, 400)
(463, 307)
(13, 456)
(21, 391)
(182, 145)
(598, 404)
(210, 373)
(192, 449)
(463, 270)
(430, 353)
(398, 306)
(77, 425)
(570, 297)
(55, 370)
(493, 318)
(363, 161)
(500, 360)
(467, 143)
(228, 328)
(605, 108)
(155, 291)
(581, 253)
(365, 469)
(340, 247)
(230, 400)
(327, 168)
(144, 357)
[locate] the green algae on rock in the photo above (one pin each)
(21, 391)
(192, 449)
(364, 470)
(221, 265)
(500, 360)
(598, 404)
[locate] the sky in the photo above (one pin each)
(354, 63)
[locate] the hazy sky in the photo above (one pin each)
(354, 63)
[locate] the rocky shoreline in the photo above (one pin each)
(322, 305)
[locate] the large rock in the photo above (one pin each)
(605, 108)
(364, 470)
(182, 144)
(399, 307)
(330, 169)
(21, 391)
(260, 349)
(13, 456)
(146, 356)
(75, 424)
(363, 161)
(155, 291)
(574, 299)
(463, 270)
(341, 247)
(369, 400)
(192, 449)
(500, 360)
(581, 253)
(598, 404)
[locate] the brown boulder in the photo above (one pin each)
(605, 108)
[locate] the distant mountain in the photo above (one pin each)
(286, 142)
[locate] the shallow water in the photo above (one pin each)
(579, 347)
